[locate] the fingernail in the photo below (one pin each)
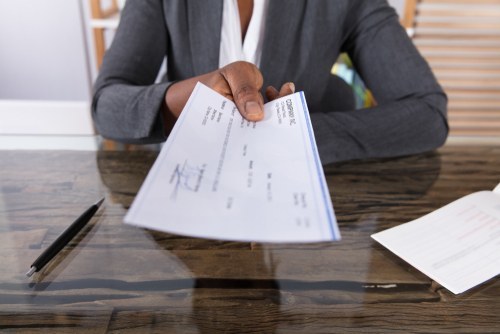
(291, 85)
(252, 108)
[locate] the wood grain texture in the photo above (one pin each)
(116, 278)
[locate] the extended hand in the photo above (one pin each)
(240, 82)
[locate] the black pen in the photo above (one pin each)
(64, 238)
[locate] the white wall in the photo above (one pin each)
(43, 55)
(45, 80)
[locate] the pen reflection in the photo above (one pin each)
(48, 274)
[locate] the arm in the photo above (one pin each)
(411, 113)
(128, 106)
(126, 103)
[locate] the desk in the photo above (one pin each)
(122, 279)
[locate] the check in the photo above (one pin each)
(219, 176)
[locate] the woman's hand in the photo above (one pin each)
(240, 82)
(273, 94)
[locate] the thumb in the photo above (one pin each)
(249, 102)
(245, 82)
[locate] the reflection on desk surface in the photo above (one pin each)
(118, 278)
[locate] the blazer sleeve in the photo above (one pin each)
(410, 116)
(127, 103)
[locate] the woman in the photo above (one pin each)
(288, 44)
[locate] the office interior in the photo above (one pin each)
(116, 278)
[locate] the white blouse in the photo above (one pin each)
(232, 48)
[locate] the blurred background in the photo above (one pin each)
(50, 53)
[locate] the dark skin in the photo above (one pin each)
(240, 82)
(245, 8)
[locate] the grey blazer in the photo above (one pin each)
(302, 41)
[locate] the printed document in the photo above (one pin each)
(457, 245)
(219, 176)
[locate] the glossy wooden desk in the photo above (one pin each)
(118, 278)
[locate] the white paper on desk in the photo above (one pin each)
(219, 176)
(457, 245)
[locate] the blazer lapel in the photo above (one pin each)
(282, 24)
(205, 21)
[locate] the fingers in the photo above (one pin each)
(241, 81)
(272, 93)
(287, 89)
(245, 81)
